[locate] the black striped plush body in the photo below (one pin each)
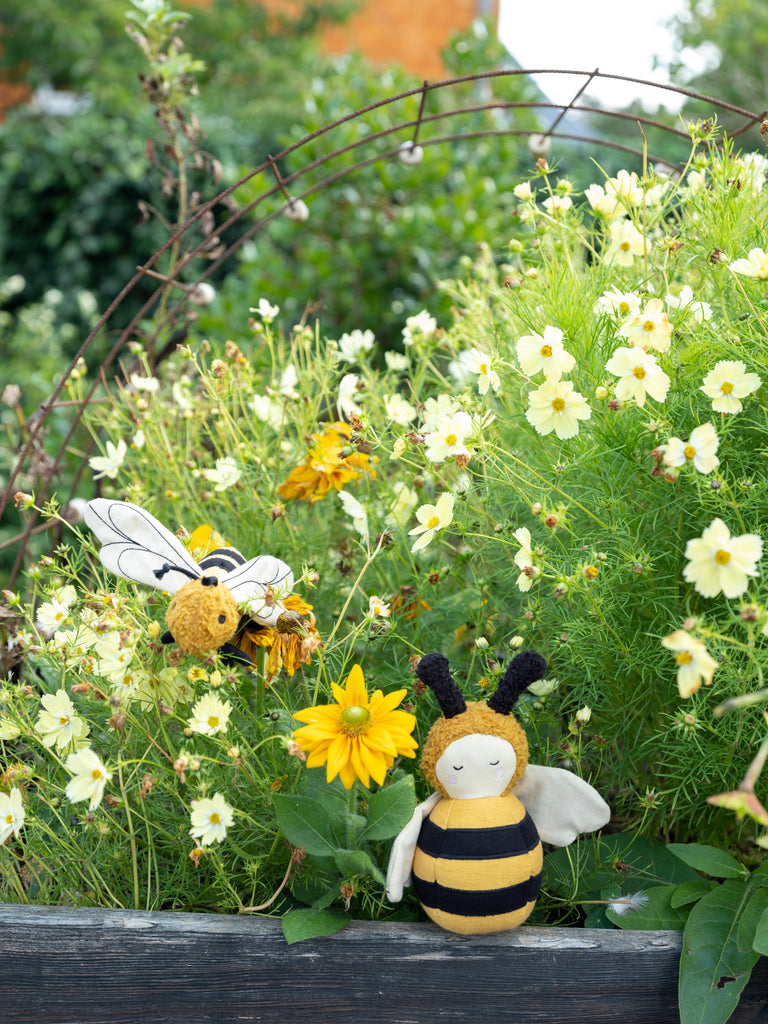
(225, 559)
(477, 866)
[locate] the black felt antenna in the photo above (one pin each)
(433, 670)
(525, 668)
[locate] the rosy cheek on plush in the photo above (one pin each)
(453, 779)
(499, 773)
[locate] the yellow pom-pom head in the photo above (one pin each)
(202, 616)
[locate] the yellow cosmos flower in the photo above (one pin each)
(330, 462)
(358, 736)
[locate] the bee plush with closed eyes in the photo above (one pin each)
(204, 614)
(473, 849)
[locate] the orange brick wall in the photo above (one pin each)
(407, 32)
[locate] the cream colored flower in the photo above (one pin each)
(210, 715)
(524, 192)
(89, 777)
(649, 328)
(557, 205)
(355, 511)
(639, 375)
(399, 410)
(378, 608)
(754, 265)
(524, 559)
(603, 203)
(12, 814)
(109, 465)
(50, 616)
(699, 449)
(728, 383)
(422, 324)
(210, 819)
(405, 501)
(437, 408)
(8, 729)
(719, 563)
(626, 187)
(225, 474)
(480, 364)
(432, 518)
(544, 353)
(268, 410)
(265, 310)
(618, 303)
(58, 722)
(626, 243)
(555, 406)
(447, 438)
(694, 665)
(700, 311)
(354, 344)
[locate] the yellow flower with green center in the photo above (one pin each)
(359, 736)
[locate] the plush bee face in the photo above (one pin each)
(476, 766)
(202, 616)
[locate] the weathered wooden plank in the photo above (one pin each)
(66, 966)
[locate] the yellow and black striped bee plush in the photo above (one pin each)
(473, 849)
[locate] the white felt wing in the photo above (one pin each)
(137, 547)
(561, 804)
(403, 849)
(253, 580)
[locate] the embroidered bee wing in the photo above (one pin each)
(561, 804)
(137, 547)
(261, 582)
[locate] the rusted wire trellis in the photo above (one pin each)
(737, 120)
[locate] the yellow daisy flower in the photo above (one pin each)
(358, 737)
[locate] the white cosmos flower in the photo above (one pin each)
(268, 410)
(524, 559)
(719, 563)
(149, 385)
(289, 378)
(397, 362)
(605, 204)
(555, 205)
(618, 303)
(649, 328)
(89, 777)
(728, 383)
(210, 818)
(58, 723)
(210, 715)
(700, 311)
(699, 449)
(639, 375)
(378, 608)
(422, 324)
(108, 465)
(224, 475)
(356, 512)
(431, 519)
(555, 406)
(694, 664)
(478, 363)
(626, 187)
(626, 243)
(754, 265)
(353, 344)
(12, 814)
(50, 616)
(399, 409)
(265, 310)
(114, 658)
(524, 192)
(438, 408)
(8, 731)
(752, 172)
(405, 501)
(544, 353)
(447, 437)
(348, 391)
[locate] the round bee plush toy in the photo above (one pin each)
(473, 849)
(204, 614)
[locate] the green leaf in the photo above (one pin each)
(305, 822)
(756, 908)
(708, 859)
(390, 809)
(691, 891)
(713, 971)
(357, 862)
(657, 915)
(310, 924)
(760, 941)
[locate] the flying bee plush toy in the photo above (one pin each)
(204, 614)
(473, 849)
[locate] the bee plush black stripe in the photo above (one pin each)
(483, 903)
(222, 558)
(478, 843)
